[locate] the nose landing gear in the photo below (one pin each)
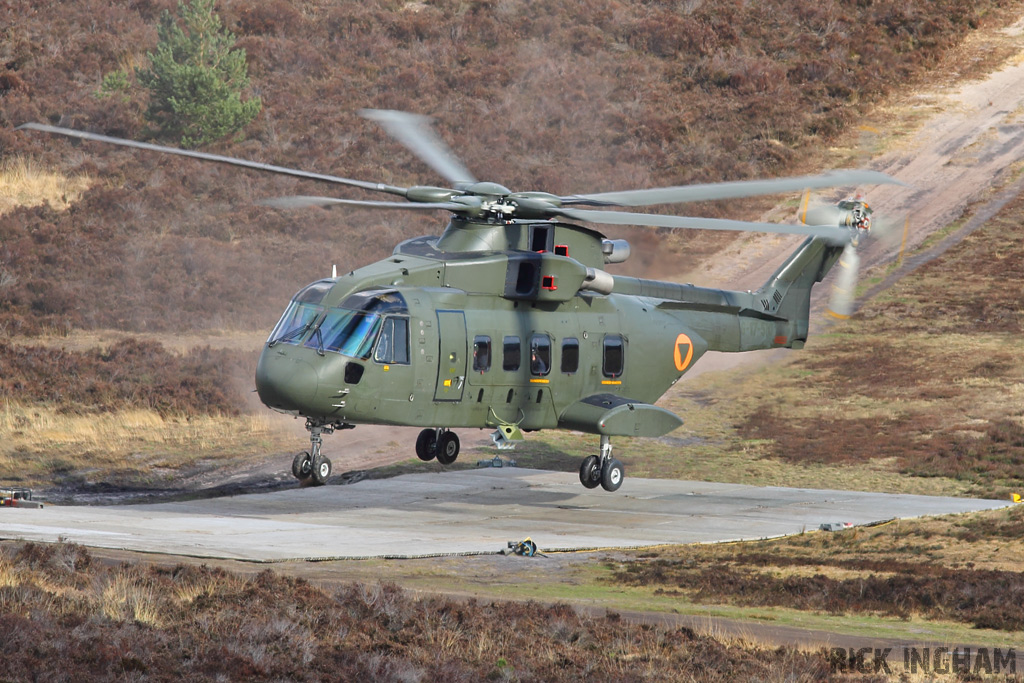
(312, 465)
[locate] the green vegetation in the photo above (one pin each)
(195, 78)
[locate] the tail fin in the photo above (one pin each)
(787, 293)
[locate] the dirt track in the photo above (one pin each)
(970, 146)
(954, 166)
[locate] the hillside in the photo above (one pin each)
(564, 97)
(115, 264)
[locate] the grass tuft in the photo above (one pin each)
(24, 182)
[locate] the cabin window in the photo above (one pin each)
(481, 353)
(540, 354)
(511, 356)
(614, 356)
(393, 344)
(570, 355)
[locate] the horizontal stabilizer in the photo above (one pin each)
(617, 416)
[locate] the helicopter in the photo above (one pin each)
(508, 319)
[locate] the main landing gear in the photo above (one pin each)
(437, 443)
(312, 465)
(604, 469)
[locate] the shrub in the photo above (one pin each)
(196, 78)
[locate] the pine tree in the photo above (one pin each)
(196, 79)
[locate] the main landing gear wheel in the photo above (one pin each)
(590, 471)
(447, 448)
(612, 474)
(302, 466)
(602, 469)
(426, 445)
(321, 469)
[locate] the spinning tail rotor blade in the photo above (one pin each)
(844, 289)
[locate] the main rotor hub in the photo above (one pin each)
(487, 189)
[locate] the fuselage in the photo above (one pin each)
(475, 361)
(502, 336)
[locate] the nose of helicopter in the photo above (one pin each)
(285, 383)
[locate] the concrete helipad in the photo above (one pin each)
(472, 512)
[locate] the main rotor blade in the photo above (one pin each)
(303, 201)
(833, 233)
(70, 132)
(731, 190)
(415, 133)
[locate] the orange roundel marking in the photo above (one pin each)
(683, 352)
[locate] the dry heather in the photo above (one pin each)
(131, 373)
(128, 451)
(65, 612)
(129, 414)
(941, 569)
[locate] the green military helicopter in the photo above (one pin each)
(508, 320)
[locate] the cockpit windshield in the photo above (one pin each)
(352, 328)
(301, 313)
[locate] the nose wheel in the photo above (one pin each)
(312, 465)
(603, 469)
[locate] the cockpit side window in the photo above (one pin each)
(350, 333)
(352, 328)
(393, 344)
